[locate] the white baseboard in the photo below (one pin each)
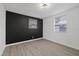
(63, 44)
(2, 51)
(24, 41)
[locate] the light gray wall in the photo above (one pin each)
(2, 29)
(69, 38)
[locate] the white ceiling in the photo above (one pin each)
(35, 10)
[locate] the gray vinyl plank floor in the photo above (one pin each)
(40, 47)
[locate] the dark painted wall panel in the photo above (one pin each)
(17, 28)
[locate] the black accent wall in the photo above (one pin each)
(17, 28)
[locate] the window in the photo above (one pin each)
(32, 23)
(60, 24)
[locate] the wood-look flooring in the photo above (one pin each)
(40, 47)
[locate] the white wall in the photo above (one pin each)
(2, 29)
(69, 38)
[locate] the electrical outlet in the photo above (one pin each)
(32, 36)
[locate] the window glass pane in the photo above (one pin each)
(61, 24)
(32, 24)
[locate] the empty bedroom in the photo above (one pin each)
(39, 29)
